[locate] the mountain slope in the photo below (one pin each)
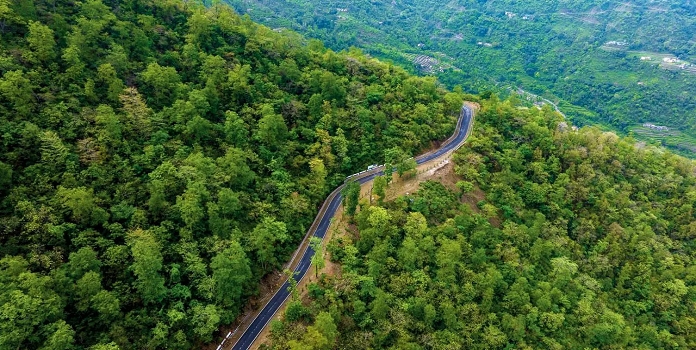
(157, 158)
(584, 55)
(552, 237)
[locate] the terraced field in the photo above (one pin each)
(672, 63)
(428, 64)
(677, 140)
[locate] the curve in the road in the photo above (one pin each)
(257, 325)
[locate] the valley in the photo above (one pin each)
(581, 53)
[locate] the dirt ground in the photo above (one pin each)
(269, 284)
(441, 170)
(337, 228)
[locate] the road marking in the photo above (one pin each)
(331, 206)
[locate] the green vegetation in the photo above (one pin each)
(157, 158)
(579, 54)
(671, 138)
(582, 240)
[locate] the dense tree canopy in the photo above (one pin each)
(562, 239)
(157, 158)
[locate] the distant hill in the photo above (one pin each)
(581, 54)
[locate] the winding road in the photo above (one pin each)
(321, 225)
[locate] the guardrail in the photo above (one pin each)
(317, 220)
(304, 245)
(364, 173)
(449, 140)
(444, 143)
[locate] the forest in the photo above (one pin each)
(550, 238)
(582, 54)
(159, 157)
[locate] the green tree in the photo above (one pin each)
(82, 261)
(147, 263)
(191, 205)
(200, 130)
(110, 129)
(235, 129)
(7, 15)
(108, 346)
(161, 84)
(106, 75)
(406, 167)
(61, 338)
(271, 129)
(447, 259)
(325, 324)
(86, 288)
(29, 306)
(223, 213)
(351, 195)
(107, 306)
(395, 157)
(317, 178)
(340, 143)
(205, 320)
(231, 272)
(292, 284)
(235, 169)
(265, 240)
(380, 188)
(81, 204)
(41, 41)
(76, 66)
(295, 311)
(137, 115)
(318, 258)
(5, 177)
(464, 187)
(18, 91)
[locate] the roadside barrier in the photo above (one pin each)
(304, 245)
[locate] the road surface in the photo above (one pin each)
(259, 323)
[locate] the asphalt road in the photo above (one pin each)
(265, 316)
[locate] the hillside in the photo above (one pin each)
(584, 55)
(550, 238)
(158, 158)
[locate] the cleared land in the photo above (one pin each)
(664, 60)
(684, 143)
